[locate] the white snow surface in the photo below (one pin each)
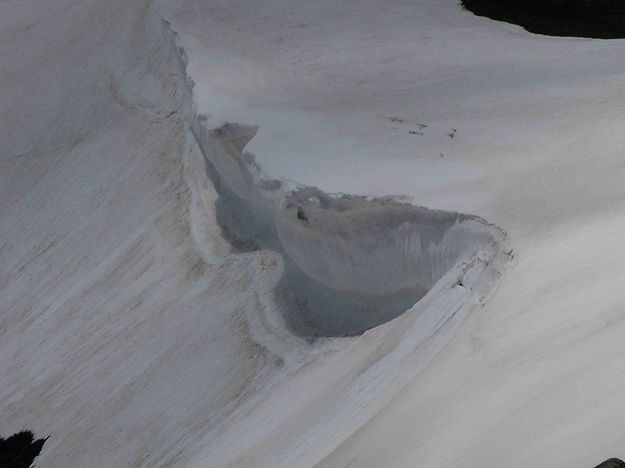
(133, 336)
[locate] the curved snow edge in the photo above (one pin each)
(362, 373)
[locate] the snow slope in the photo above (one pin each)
(533, 378)
(131, 334)
(134, 335)
(113, 326)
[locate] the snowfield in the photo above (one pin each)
(207, 206)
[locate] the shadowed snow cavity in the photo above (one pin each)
(350, 262)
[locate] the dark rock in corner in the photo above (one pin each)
(20, 450)
(600, 19)
(612, 463)
(301, 215)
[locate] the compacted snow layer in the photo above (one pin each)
(118, 339)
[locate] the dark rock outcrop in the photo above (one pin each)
(20, 450)
(612, 463)
(601, 19)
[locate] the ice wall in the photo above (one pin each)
(350, 262)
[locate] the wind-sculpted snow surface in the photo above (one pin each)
(351, 262)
